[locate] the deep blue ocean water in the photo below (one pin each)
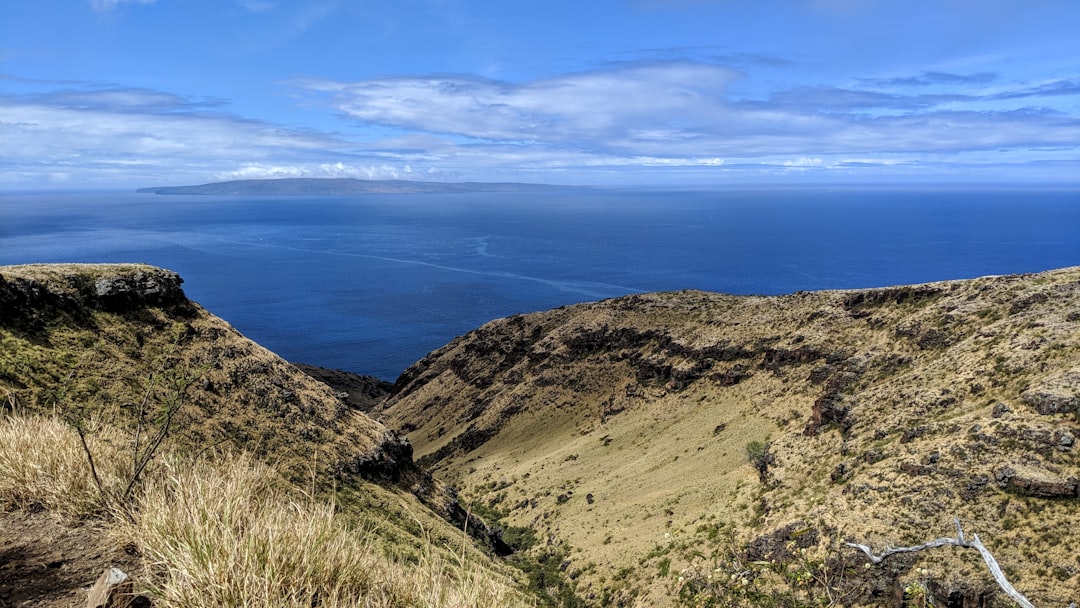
(372, 283)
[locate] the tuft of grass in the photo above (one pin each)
(234, 535)
(233, 531)
(42, 464)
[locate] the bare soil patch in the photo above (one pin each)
(47, 563)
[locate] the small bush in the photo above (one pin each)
(760, 458)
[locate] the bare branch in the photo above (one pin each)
(959, 541)
(151, 449)
(140, 419)
(89, 459)
(877, 559)
(999, 576)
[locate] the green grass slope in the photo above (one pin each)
(659, 443)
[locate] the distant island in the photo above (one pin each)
(327, 186)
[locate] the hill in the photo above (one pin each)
(328, 186)
(716, 450)
(99, 335)
(120, 356)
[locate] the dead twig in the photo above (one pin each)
(959, 541)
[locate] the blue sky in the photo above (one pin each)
(129, 93)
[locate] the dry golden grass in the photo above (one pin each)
(232, 535)
(234, 532)
(42, 463)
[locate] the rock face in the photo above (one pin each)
(885, 412)
(1032, 485)
(153, 287)
(361, 392)
(105, 287)
(1048, 402)
(34, 294)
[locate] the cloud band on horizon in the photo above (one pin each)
(676, 116)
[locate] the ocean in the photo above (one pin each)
(372, 283)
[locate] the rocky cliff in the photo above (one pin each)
(629, 431)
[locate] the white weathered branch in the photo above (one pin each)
(999, 576)
(959, 541)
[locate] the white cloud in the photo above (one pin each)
(101, 140)
(338, 169)
(683, 110)
(36, 131)
(653, 98)
(803, 162)
(136, 137)
(645, 123)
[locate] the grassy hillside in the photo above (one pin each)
(678, 448)
(107, 340)
(721, 448)
(253, 453)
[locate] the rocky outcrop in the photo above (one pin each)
(903, 295)
(389, 460)
(112, 287)
(1035, 486)
(1042, 488)
(829, 409)
(138, 288)
(1049, 401)
(782, 543)
(32, 295)
(363, 393)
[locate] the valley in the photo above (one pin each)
(666, 449)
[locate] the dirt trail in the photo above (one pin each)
(45, 563)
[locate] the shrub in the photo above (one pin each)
(760, 458)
